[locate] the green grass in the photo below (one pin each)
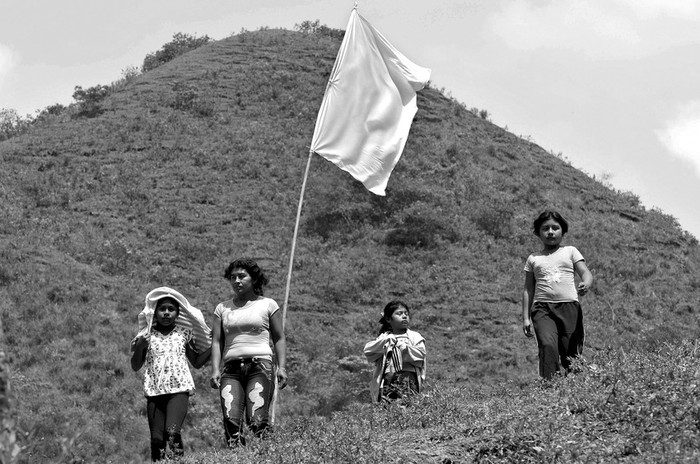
(201, 160)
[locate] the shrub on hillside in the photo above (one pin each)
(422, 227)
(494, 219)
(181, 43)
(187, 99)
(90, 100)
(315, 27)
(6, 276)
(49, 112)
(483, 114)
(11, 123)
(401, 197)
(341, 218)
(128, 74)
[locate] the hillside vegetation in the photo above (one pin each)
(200, 160)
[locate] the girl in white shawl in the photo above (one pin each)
(171, 333)
(398, 354)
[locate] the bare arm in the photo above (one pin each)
(139, 348)
(215, 354)
(528, 294)
(197, 359)
(280, 343)
(585, 275)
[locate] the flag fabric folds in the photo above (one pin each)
(368, 107)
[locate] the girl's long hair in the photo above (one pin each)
(388, 312)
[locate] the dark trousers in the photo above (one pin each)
(246, 389)
(166, 414)
(559, 332)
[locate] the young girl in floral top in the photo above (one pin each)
(167, 380)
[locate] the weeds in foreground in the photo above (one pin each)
(620, 407)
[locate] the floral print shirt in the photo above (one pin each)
(167, 370)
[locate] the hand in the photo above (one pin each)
(582, 289)
(215, 381)
(140, 342)
(527, 329)
(281, 377)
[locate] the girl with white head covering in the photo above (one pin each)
(171, 333)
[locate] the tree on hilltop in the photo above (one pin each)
(181, 43)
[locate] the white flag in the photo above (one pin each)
(368, 106)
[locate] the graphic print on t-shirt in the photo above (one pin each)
(552, 274)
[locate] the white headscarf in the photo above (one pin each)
(189, 317)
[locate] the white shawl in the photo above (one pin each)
(189, 318)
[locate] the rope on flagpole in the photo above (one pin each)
(289, 274)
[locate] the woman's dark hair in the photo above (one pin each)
(388, 312)
(550, 215)
(252, 268)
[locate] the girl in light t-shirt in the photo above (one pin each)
(550, 296)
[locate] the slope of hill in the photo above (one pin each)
(201, 160)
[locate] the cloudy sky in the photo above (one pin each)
(612, 85)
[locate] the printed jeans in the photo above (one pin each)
(559, 331)
(246, 388)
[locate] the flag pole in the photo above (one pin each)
(289, 273)
(294, 241)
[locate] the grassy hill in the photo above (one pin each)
(185, 167)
